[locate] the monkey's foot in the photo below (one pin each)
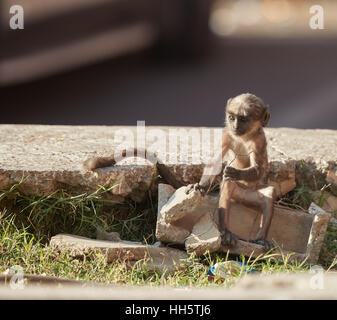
(268, 245)
(228, 238)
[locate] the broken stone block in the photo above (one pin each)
(180, 205)
(317, 232)
(181, 221)
(156, 257)
(293, 231)
(165, 191)
(169, 233)
(329, 202)
(204, 236)
(164, 231)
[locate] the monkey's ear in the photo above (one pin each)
(265, 117)
(229, 101)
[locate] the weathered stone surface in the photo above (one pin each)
(180, 205)
(314, 152)
(317, 233)
(165, 191)
(51, 157)
(167, 232)
(177, 218)
(204, 236)
(156, 257)
(329, 202)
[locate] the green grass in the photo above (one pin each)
(20, 247)
(28, 222)
(81, 214)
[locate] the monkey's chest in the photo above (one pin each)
(238, 158)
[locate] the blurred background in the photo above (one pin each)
(168, 62)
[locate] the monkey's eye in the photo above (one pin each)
(231, 117)
(243, 119)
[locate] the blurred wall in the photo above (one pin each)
(178, 66)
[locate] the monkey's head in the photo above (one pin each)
(246, 114)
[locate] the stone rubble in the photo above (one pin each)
(292, 230)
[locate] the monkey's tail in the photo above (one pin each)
(164, 171)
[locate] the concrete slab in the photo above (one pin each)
(156, 257)
(51, 156)
(316, 284)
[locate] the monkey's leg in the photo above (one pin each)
(267, 196)
(226, 191)
(262, 198)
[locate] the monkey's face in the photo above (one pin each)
(245, 117)
(238, 123)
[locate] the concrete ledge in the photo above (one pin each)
(51, 157)
(315, 285)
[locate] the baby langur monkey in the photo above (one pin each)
(245, 147)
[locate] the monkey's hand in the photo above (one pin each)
(196, 187)
(232, 173)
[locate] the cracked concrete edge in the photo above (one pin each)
(50, 158)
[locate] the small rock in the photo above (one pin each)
(315, 209)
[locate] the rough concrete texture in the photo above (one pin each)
(167, 232)
(156, 257)
(205, 235)
(327, 201)
(179, 219)
(180, 204)
(51, 157)
(293, 231)
(309, 285)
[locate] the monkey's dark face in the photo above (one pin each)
(243, 119)
(238, 123)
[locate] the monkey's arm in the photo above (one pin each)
(211, 171)
(255, 171)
